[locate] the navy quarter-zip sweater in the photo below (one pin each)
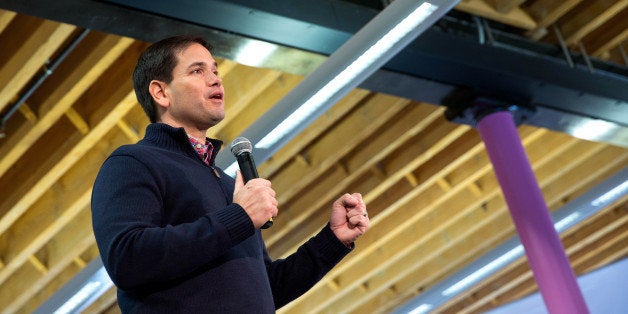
(173, 241)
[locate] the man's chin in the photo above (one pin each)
(215, 120)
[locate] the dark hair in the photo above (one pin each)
(157, 63)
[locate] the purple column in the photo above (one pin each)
(546, 255)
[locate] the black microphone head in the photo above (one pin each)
(241, 145)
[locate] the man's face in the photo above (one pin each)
(195, 94)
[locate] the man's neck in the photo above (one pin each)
(199, 135)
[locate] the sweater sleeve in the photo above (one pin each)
(136, 248)
(295, 275)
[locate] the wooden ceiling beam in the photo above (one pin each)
(515, 17)
(70, 159)
(134, 124)
(305, 208)
(595, 254)
(433, 140)
(28, 113)
(298, 144)
(130, 133)
(442, 136)
(610, 35)
(69, 240)
(490, 292)
(529, 285)
(613, 251)
(546, 13)
(27, 243)
(72, 235)
(612, 43)
(490, 286)
(5, 18)
(77, 120)
(512, 276)
(87, 70)
(423, 264)
(328, 150)
(43, 269)
(391, 271)
(50, 286)
(35, 42)
(577, 26)
(74, 238)
(568, 181)
(116, 105)
(581, 243)
(505, 6)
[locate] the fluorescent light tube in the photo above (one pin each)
(484, 271)
(611, 195)
(355, 69)
(254, 52)
(421, 309)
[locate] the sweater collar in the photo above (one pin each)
(171, 138)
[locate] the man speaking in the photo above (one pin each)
(178, 235)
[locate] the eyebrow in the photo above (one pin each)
(201, 64)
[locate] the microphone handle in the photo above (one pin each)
(247, 167)
(249, 171)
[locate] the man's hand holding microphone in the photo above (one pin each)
(257, 198)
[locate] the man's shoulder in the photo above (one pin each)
(130, 149)
(139, 151)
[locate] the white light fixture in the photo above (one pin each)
(396, 26)
(231, 170)
(254, 52)
(486, 270)
(94, 288)
(357, 59)
(344, 78)
(76, 295)
(611, 195)
(567, 222)
(594, 130)
(504, 260)
(421, 309)
(76, 300)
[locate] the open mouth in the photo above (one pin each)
(218, 96)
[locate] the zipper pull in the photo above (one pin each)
(216, 172)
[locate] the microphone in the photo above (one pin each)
(241, 148)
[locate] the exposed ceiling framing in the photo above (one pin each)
(433, 198)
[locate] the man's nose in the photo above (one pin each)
(214, 80)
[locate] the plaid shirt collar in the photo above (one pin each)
(204, 149)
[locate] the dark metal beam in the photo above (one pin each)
(447, 57)
(455, 59)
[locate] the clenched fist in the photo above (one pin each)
(349, 219)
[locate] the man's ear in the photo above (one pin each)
(157, 90)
